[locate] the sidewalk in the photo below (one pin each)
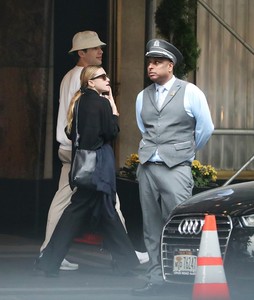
(93, 281)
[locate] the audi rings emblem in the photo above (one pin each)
(191, 226)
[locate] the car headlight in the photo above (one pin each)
(248, 221)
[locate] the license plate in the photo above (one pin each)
(185, 262)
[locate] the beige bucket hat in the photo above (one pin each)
(85, 40)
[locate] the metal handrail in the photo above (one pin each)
(238, 172)
(233, 132)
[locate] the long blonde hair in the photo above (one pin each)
(86, 74)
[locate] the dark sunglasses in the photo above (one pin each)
(103, 76)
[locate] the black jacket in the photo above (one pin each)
(96, 123)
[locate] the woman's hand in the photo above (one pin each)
(112, 102)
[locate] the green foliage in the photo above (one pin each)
(203, 175)
(175, 22)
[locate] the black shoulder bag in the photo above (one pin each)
(83, 163)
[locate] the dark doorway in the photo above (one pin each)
(71, 17)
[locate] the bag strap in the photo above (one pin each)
(76, 115)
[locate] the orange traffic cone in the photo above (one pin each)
(210, 280)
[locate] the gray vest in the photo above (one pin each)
(170, 130)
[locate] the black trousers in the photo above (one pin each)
(84, 205)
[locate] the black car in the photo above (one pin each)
(233, 207)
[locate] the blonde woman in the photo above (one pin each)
(98, 127)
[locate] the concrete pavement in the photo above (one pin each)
(93, 281)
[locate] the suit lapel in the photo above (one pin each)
(152, 94)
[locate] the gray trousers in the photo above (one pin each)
(161, 190)
(63, 196)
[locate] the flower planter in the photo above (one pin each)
(130, 206)
(197, 190)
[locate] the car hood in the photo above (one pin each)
(234, 200)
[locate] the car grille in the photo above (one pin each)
(172, 240)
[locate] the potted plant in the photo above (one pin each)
(203, 175)
(130, 167)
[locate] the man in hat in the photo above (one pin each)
(175, 121)
(86, 50)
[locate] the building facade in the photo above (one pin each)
(34, 59)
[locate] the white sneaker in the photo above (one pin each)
(67, 266)
(142, 256)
